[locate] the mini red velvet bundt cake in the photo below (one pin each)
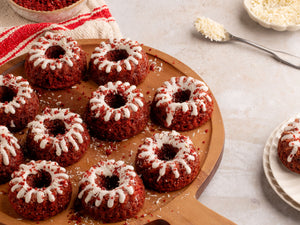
(57, 135)
(289, 146)
(39, 190)
(117, 111)
(119, 59)
(111, 191)
(11, 155)
(19, 104)
(167, 162)
(55, 62)
(182, 103)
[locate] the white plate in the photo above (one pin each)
(277, 27)
(284, 182)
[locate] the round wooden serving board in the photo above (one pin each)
(179, 207)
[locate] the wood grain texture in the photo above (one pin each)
(179, 207)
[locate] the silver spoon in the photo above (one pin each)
(286, 58)
(281, 56)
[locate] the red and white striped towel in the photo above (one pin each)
(95, 22)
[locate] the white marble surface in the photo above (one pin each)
(254, 92)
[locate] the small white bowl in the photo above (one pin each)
(48, 16)
(277, 27)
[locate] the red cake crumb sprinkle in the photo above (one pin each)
(74, 217)
(44, 5)
(152, 67)
(108, 152)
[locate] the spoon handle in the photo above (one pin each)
(283, 57)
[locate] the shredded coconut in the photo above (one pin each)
(210, 29)
(280, 12)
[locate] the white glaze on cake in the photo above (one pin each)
(8, 145)
(134, 100)
(176, 140)
(39, 48)
(198, 97)
(73, 127)
(19, 181)
(22, 89)
(133, 49)
(108, 168)
(292, 132)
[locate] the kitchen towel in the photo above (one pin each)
(94, 21)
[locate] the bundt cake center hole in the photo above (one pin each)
(115, 100)
(109, 182)
(117, 55)
(56, 127)
(40, 180)
(182, 96)
(167, 152)
(55, 52)
(6, 94)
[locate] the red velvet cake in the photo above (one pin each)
(39, 190)
(57, 135)
(289, 146)
(55, 62)
(19, 103)
(11, 154)
(119, 60)
(167, 162)
(117, 111)
(182, 103)
(111, 191)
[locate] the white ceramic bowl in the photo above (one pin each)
(277, 27)
(48, 16)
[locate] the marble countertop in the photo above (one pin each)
(255, 93)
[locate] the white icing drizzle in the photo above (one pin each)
(22, 89)
(293, 134)
(39, 48)
(73, 126)
(176, 140)
(19, 182)
(134, 100)
(8, 145)
(108, 168)
(133, 49)
(199, 92)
